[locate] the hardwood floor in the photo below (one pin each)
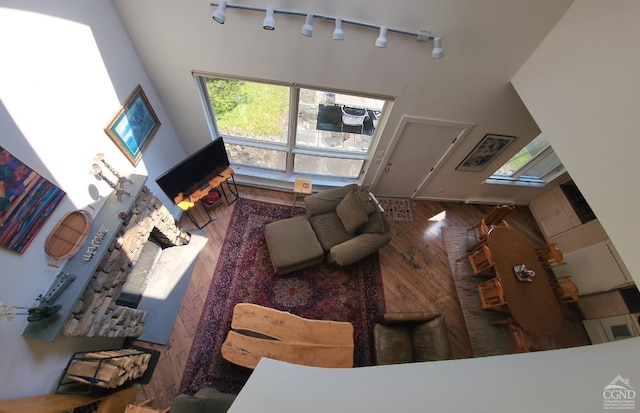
(415, 270)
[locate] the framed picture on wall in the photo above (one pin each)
(26, 201)
(133, 126)
(488, 148)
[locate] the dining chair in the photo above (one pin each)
(491, 296)
(550, 256)
(481, 262)
(565, 290)
(520, 340)
(494, 218)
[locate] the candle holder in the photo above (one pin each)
(118, 186)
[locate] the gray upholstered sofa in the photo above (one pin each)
(207, 400)
(341, 226)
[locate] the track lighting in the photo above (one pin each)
(307, 28)
(338, 34)
(218, 15)
(269, 22)
(381, 41)
(437, 52)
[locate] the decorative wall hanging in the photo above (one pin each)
(484, 152)
(26, 202)
(133, 126)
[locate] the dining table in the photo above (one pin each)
(531, 302)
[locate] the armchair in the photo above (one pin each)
(411, 337)
(341, 226)
(348, 223)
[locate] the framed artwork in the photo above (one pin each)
(26, 202)
(133, 126)
(487, 149)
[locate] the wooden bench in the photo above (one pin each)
(258, 332)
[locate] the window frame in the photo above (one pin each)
(519, 176)
(290, 147)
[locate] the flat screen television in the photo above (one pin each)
(194, 171)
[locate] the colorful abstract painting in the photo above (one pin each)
(26, 202)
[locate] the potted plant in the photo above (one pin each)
(41, 314)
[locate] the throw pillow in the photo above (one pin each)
(351, 213)
(375, 224)
(367, 204)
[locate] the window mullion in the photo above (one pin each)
(532, 162)
(294, 94)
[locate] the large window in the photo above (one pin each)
(284, 131)
(535, 164)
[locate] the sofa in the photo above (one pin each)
(411, 337)
(341, 226)
(207, 400)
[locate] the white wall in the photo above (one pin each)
(568, 380)
(581, 85)
(485, 42)
(66, 68)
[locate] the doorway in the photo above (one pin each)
(418, 147)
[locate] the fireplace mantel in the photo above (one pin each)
(107, 217)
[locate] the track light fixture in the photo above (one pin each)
(218, 15)
(381, 41)
(338, 34)
(269, 22)
(307, 28)
(437, 52)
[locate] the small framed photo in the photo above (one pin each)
(133, 126)
(488, 148)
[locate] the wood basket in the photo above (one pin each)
(68, 235)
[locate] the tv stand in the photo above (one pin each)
(186, 202)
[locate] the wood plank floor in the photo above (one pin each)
(415, 271)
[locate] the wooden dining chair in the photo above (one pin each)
(481, 262)
(519, 340)
(494, 218)
(565, 290)
(550, 256)
(491, 296)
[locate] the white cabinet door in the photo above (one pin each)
(595, 269)
(554, 213)
(595, 331)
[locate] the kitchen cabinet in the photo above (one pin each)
(595, 268)
(561, 223)
(602, 330)
(554, 213)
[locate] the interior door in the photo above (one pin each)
(418, 147)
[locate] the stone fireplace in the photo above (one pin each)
(96, 313)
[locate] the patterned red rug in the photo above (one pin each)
(244, 274)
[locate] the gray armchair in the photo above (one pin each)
(348, 223)
(411, 337)
(342, 226)
(207, 400)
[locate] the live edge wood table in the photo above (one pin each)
(533, 305)
(186, 202)
(258, 332)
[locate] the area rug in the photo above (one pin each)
(397, 209)
(244, 274)
(486, 340)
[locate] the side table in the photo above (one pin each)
(301, 187)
